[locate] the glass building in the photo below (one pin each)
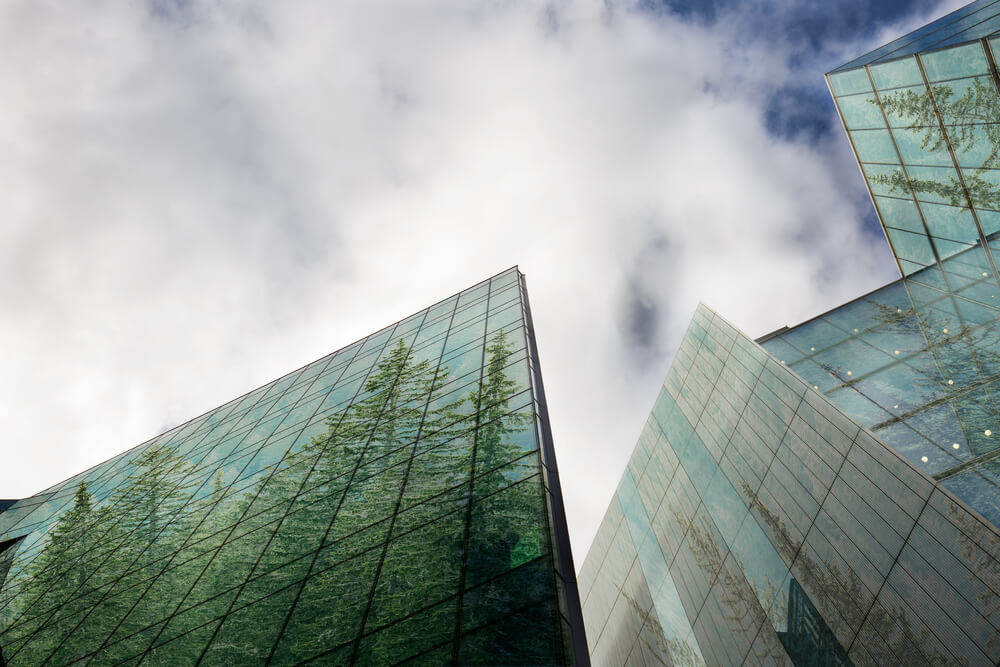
(394, 502)
(830, 493)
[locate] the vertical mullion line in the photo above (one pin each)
(343, 494)
(553, 492)
(463, 572)
(280, 521)
(356, 645)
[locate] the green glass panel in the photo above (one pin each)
(515, 640)
(853, 81)
(506, 531)
(959, 61)
(248, 633)
(409, 636)
(518, 588)
(329, 610)
(903, 72)
(420, 567)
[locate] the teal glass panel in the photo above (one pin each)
(887, 180)
(950, 222)
(900, 213)
(860, 112)
(959, 61)
(903, 72)
(910, 246)
(923, 146)
(975, 146)
(984, 188)
(946, 248)
(937, 184)
(908, 107)
(874, 146)
(854, 81)
(909, 268)
(980, 488)
(854, 402)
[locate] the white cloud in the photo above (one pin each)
(199, 200)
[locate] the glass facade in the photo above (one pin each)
(919, 367)
(923, 117)
(758, 524)
(394, 502)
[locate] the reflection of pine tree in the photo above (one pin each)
(744, 607)
(827, 585)
(59, 578)
(93, 578)
(673, 652)
(971, 118)
(229, 565)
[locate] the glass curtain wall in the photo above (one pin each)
(385, 504)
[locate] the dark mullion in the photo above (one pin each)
(463, 574)
(280, 521)
(111, 586)
(343, 494)
(226, 539)
(399, 498)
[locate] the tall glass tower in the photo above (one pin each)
(394, 502)
(830, 493)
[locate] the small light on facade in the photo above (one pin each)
(899, 310)
(895, 407)
(985, 274)
(944, 330)
(954, 445)
(815, 386)
(924, 459)
(951, 382)
(812, 349)
(855, 331)
(849, 373)
(987, 433)
(895, 351)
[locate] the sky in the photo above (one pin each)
(201, 196)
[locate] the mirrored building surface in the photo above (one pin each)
(919, 367)
(833, 497)
(394, 502)
(923, 116)
(759, 524)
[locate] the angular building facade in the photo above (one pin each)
(396, 502)
(830, 494)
